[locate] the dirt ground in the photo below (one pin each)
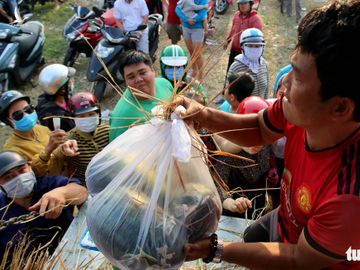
(279, 34)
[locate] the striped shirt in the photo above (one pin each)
(89, 145)
(261, 78)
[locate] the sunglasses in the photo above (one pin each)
(18, 115)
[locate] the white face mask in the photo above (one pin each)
(20, 186)
(87, 124)
(252, 53)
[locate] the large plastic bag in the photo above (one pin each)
(152, 192)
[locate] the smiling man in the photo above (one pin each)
(143, 92)
(318, 217)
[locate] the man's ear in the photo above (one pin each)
(232, 97)
(342, 108)
(9, 123)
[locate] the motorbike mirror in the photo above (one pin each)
(141, 27)
(17, 15)
(97, 12)
(27, 17)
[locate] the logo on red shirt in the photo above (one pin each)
(303, 198)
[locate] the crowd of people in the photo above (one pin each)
(303, 142)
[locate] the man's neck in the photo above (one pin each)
(319, 139)
(26, 134)
(59, 100)
(234, 106)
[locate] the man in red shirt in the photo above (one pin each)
(317, 223)
(173, 27)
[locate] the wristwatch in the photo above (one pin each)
(219, 251)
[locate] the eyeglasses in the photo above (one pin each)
(18, 115)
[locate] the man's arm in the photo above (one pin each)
(51, 203)
(119, 24)
(225, 145)
(266, 255)
(145, 19)
(202, 14)
(244, 130)
(181, 14)
(257, 23)
(5, 15)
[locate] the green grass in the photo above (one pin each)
(54, 21)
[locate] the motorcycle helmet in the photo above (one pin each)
(84, 102)
(6, 100)
(55, 76)
(173, 56)
(245, 1)
(252, 36)
(282, 72)
(10, 160)
(252, 104)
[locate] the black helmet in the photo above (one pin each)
(7, 99)
(10, 160)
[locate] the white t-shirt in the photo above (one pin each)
(131, 13)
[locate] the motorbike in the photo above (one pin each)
(21, 5)
(222, 5)
(108, 51)
(83, 32)
(21, 46)
(105, 4)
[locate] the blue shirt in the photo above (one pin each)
(199, 18)
(225, 107)
(40, 230)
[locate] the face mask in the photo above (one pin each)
(87, 124)
(20, 186)
(26, 123)
(169, 73)
(253, 53)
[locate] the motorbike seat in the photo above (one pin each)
(114, 35)
(28, 38)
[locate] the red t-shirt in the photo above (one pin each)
(239, 24)
(172, 18)
(319, 191)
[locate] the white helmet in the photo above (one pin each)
(54, 76)
(252, 36)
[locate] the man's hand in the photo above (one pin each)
(138, 34)
(70, 148)
(194, 114)
(191, 21)
(56, 138)
(225, 45)
(252, 150)
(199, 249)
(240, 205)
(51, 204)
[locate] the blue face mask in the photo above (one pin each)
(27, 122)
(169, 73)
